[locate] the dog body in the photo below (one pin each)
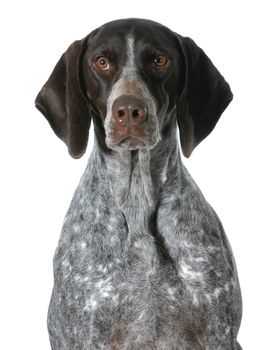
(143, 261)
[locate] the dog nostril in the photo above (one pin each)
(135, 113)
(121, 113)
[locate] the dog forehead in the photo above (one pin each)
(115, 33)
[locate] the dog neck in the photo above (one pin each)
(136, 177)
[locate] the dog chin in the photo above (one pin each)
(131, 144)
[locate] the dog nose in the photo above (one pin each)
(129, 109)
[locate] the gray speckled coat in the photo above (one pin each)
(143, 261)
(149, 267)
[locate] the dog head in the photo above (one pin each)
(132, 76)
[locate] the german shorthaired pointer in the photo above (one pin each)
(143, 261)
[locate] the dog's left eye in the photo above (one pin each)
(160, 62)
(102, 63)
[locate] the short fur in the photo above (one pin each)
(143, 261)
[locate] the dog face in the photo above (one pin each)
(133, 76)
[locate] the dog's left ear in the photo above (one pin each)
(204, 97)
(63, 103)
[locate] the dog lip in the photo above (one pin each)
(131, 141)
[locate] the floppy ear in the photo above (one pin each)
(204, 98)
(64, 105)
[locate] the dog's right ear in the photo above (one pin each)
(63, 103)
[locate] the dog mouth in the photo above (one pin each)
(132, 143)
(132, 138)
(129, 142)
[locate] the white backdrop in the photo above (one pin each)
(38, 177)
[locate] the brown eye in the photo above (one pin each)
(102, 63)
(160, 62)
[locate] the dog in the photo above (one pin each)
(143, 261)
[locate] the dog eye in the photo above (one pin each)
(102, 63)
(161, 62)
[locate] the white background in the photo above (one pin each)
(38, 176)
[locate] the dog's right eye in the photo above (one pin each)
(102, 63)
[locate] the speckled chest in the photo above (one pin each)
(101, 262)
(133, 269)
